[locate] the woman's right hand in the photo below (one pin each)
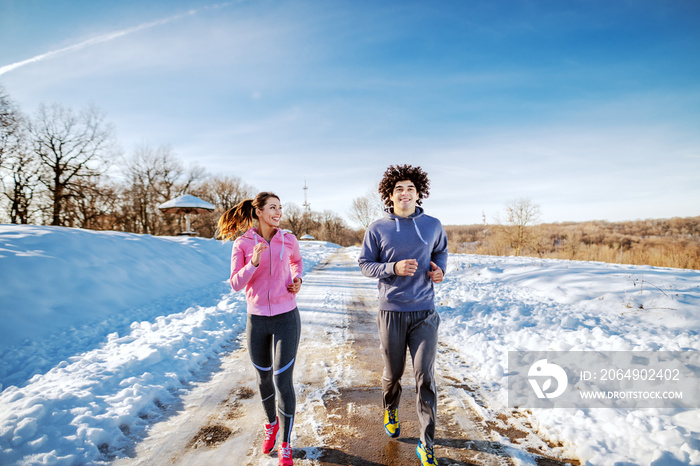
(257, 252)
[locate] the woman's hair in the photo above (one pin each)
(396, 173)
(241, 216)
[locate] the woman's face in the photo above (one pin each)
(271, 213)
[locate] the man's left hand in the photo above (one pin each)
(436, 274)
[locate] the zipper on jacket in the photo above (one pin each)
(269, 303)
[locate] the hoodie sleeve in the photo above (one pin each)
(439, 254)
(241, 272)
(295, 261)
(370, 257)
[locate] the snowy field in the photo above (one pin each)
(101, 330)
(492, 305)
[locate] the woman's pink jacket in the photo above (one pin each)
(266, 285)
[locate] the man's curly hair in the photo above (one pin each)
(396, 173)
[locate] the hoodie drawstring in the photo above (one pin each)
(398, 228)
(282, 251)
(255, 235)
(418, 231)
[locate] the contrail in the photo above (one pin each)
(100, 39)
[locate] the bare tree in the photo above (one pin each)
(333, 227)
(153, 177)
(19, 169)
(366, 209)
(224, 193)
(521, 214)
(21, 184)
(298, 220)
(71, 147)
(323, 226)
(95, 205)
(9, 124)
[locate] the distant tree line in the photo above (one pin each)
(62, 167)
(671, 242)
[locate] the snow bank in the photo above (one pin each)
(492, 305)
(63, 289)
(103, 330)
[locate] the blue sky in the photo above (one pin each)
(591, 109)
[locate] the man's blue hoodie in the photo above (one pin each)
(392, 239)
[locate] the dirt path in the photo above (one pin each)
(339, 412)
(353, 430)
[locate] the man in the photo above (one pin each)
(407, 251)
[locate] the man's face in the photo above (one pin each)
(404, 196)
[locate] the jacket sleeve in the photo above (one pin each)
(241, 272)
(439, 254)
(370, 256)
(295, 260)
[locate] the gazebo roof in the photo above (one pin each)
(186, 204)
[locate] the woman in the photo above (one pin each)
(267, 263)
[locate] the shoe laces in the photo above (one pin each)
(269, 431)
(286, 452)
(429, 452)
(392, 415)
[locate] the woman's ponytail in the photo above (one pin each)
(241, 216)
(237, 218)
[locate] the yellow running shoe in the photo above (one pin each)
(425, 454)
(392, 426)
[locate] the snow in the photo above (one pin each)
(492, 305)
(101, 330)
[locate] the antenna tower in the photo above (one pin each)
(307, 206)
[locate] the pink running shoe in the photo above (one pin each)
(270, 436)
(285, 455)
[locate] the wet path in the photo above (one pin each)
(339, 417)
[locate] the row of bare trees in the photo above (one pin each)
(62, 167)
(671, 242)
(50, 161)
(326, 225)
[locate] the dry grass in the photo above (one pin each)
(663, 243)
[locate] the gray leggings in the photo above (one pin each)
(272, 346)
(417, 331)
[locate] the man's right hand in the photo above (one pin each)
(406, 267)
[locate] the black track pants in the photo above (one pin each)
(272, 346)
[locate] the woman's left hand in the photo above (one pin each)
(295, 286)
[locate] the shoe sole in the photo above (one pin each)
(271, 448)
